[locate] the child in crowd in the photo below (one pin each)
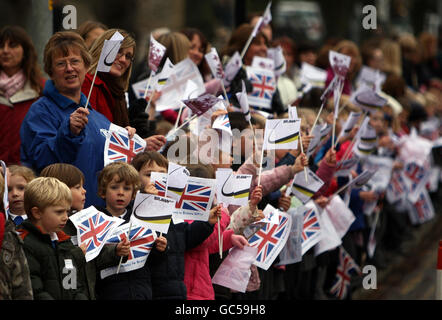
(168, 269)
(196, 272)
(110, 254)
(48, 249)
(18, 178)
(118, 184)
(15, 282)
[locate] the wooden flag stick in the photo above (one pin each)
(302, 150)
(260, 165)
(317, 117)
(145, 92)
(249, 41)
(253, 132)
(220, 242)
(92, 86)
(128, 237)
(333, 133)
(179, 116)
(182, 125)
(348, 151)
(224, 91)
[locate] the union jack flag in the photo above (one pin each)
(397, 187)
(422, 209)
(121, 148)
(397, 183)
(415, 174)
(159, 180)
(196, 197)
(343, 274)
(267, 238)
(263, 86)
(225, 121)
(93, 231)
(141, 241)
(161, 187)
(311, 225)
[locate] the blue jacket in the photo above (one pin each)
(47, 139)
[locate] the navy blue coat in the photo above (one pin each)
(47, 139)
(168, 270)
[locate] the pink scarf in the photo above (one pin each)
(10, 85)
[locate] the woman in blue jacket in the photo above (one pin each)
(59, 127)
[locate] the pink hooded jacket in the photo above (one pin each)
(196, 262)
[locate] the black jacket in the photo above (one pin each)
(132, 285)
(168, 269)
(47, 262)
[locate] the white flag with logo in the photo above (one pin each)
(156, 54)
(305, 190)
(177, 177)
(281, 134)
(214, 63)
(232, 67)
(153, 212)
(276, 54)
(175, 88)
(109, 52)
(244, 101)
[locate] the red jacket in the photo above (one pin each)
(12, 113)
(101, 98)
(196, 262)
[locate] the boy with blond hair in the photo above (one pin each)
(56, 265)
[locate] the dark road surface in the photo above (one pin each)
(412, 275)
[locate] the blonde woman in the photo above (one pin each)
(107, 95)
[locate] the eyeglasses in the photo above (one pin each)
(63, 64)
(127, 56)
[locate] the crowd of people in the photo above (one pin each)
(53, 133)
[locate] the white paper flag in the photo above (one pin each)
(214, 63)
(311, 228)
(234, 272)
(153, 212)
(232, 188)
(305, 190)
(118, 146)
(292, 251)
(141, 240)
(330, 238)
(175, 88)
(340, 215)
(93, 229)
(263, 63)
(196, 201)
(270, 240)
(156, 54)
(109, 52)
(276, 54)
(281, 134)
(232, 67)
(177, 177)
(264, 86)
(244, 101)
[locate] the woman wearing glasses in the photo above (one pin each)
(108, 93)
(107, 96)
(59, 127)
